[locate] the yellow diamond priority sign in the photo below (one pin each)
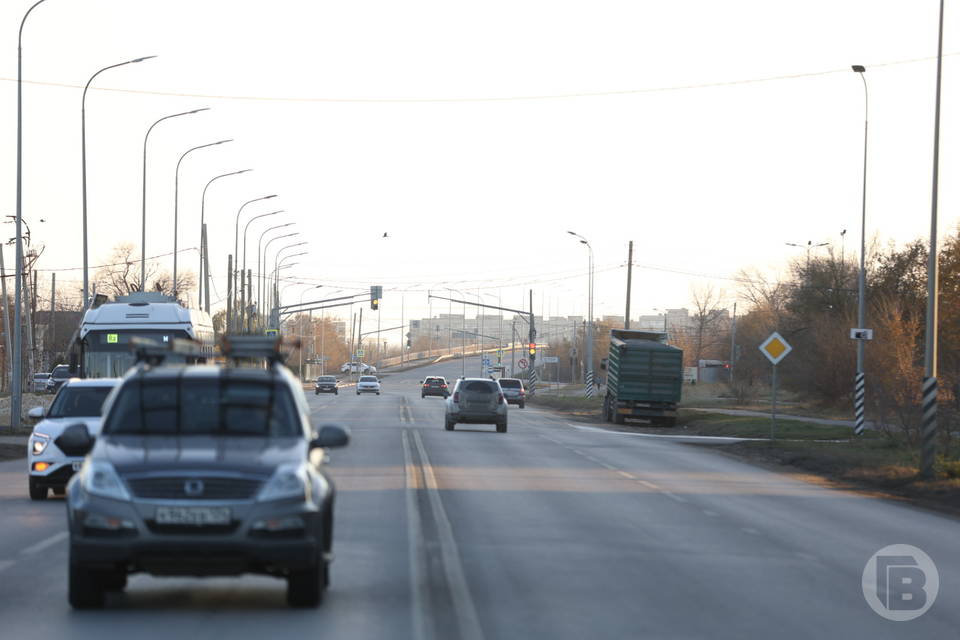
(775, 348)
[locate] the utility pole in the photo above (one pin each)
(6, 324)
(626, 317)
(52, 327)
(928, 446)
(229, 325)
(205, 304)
(242, 311)
(533, 356)
(403, 345)
(250, 301)
(28, 302)
(733, 341)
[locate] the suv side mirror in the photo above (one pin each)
(75, 440)
(36, 412)
(331, 435)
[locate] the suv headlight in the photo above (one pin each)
(38, 443)
(288, 481)
(101, 479)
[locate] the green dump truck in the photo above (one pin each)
(644, 378)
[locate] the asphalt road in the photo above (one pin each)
(552, 530)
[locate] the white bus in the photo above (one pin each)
(103, 339)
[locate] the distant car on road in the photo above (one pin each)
(356, 367)
(476, 401)
(39, 382)
(368, 384)
(326, 384)
(513, 391)
(59, 375)
(79, 401)
(434, 386)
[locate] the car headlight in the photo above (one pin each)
(288, 481)
(101, 479)
(38, 443)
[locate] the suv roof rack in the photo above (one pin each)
(252, 347)
(178, 350)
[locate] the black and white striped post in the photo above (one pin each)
(858, 409)
(588, 389)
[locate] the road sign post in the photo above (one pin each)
(775, 348)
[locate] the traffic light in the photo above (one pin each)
(376, 292)
(533, 348)
(409, 343)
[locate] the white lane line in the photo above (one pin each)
(658, 436)
(418, 589)
(674, 497)
(649, 485)
(466, 613)
(627, 475)
(43, 544)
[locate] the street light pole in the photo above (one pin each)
(263, 272)
(83, 164)
(176, 203)
(17, 386)
(859, 388)
(236, 231)
(143, 219)
(260, 262)
(204, 285)
(929, 400)
(588, 388)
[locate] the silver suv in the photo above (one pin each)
(201, 470)
(476, 401)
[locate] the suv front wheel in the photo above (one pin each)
(85, 589)
(305, 588)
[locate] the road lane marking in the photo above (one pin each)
(627, 475)
(418, 589)
(674, 497)
(466, 613)
(43, 544)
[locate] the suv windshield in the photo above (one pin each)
(511, 383)
(62, 372)
(78, 402)
(368, 378)
(203, 407)
(326, 379)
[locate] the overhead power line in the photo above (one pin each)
(556, 96)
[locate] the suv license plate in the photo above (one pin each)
(198, 516)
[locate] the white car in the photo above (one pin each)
(356, 367)
(77, 402)
(368, 384)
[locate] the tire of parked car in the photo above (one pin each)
(37, 492)
(502, 427)
(305, 588)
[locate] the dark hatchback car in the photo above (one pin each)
(434, 386)
(326, 384)
(513, 391)
(59, 375)
(202, 470)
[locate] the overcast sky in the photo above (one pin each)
(476, 134)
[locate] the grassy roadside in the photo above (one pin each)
(874, 463)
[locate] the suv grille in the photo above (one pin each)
(213, 488)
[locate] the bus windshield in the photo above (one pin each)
(107, 354)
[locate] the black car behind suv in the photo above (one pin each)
(434, 386)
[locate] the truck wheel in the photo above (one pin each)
(84, 589)
(668, 422)
(618, 418)
(114, 580)
(37, 492)
(305, 588)
(522, 404)
(502, 427)
(607, 413)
